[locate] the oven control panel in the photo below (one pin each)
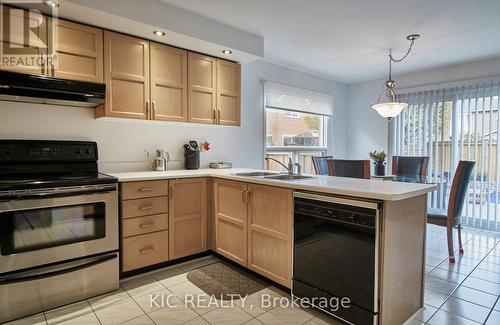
(54, 151)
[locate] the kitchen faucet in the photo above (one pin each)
(290, 166)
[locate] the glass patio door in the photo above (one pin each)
(450, 125)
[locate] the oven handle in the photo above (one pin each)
(36, 276)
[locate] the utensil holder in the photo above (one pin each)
(192, 159)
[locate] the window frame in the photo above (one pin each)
(327, 127)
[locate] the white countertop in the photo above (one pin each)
(364, 188)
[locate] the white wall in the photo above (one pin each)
(367, 131)
(121, 142)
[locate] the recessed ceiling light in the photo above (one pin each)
(52, 4)
(227, 52)
(159, 33)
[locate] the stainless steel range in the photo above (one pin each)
(58, 226)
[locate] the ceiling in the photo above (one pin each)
(348, 40)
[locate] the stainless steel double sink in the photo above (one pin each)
(277, 176)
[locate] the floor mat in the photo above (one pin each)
(222, 279)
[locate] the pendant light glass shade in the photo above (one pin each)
(392, 107)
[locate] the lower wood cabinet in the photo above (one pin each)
(252, 224)
(187, 217)
(270, 217)
(144, 224)
(230, 217)
(253, 227)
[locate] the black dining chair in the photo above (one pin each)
(409, 166)
(451, 219)
(349, 168)
(320, 164)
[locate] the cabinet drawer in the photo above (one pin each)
(144, 225)
(144, 207)
(144, 250)
(137, 190)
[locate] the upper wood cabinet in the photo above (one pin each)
(202, 87)
(214, 90)
(79, 50)
(230, 217)
(16, 42)
(228, 92)
(270, 215)
(187, 217)
(168, 83)
(144, 80)
(126, 74)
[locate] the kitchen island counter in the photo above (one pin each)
(400, 227)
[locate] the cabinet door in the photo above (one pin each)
(230, 210)
(228, 92)
(168, 83)
(17, 43)
(126, 73)
(270, 215)
(79, 52)
(187, 221)
(202, 86)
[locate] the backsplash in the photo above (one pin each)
(122, 142)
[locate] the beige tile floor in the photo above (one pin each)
(463, 293)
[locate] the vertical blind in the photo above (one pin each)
(450, 125)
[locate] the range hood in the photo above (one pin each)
(28, 88)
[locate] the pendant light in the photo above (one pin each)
(392, 107)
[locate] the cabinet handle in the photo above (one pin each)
(146, 189)
(147, 110)
(244, 196)
(52, 71)
(249, 196)
(146, 225)
(146, 250)
(171, 192)
(218, 115)
(153, 110)
(215, 115)
(146, 207)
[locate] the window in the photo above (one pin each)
(305, 130)
(297, 125)
(451, 125)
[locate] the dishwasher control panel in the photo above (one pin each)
(343, 213)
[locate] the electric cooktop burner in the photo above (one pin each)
(27, 164)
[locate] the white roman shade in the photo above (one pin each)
(298, 99)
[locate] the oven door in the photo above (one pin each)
(53, 225)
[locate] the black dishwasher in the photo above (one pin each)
(336, 256)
